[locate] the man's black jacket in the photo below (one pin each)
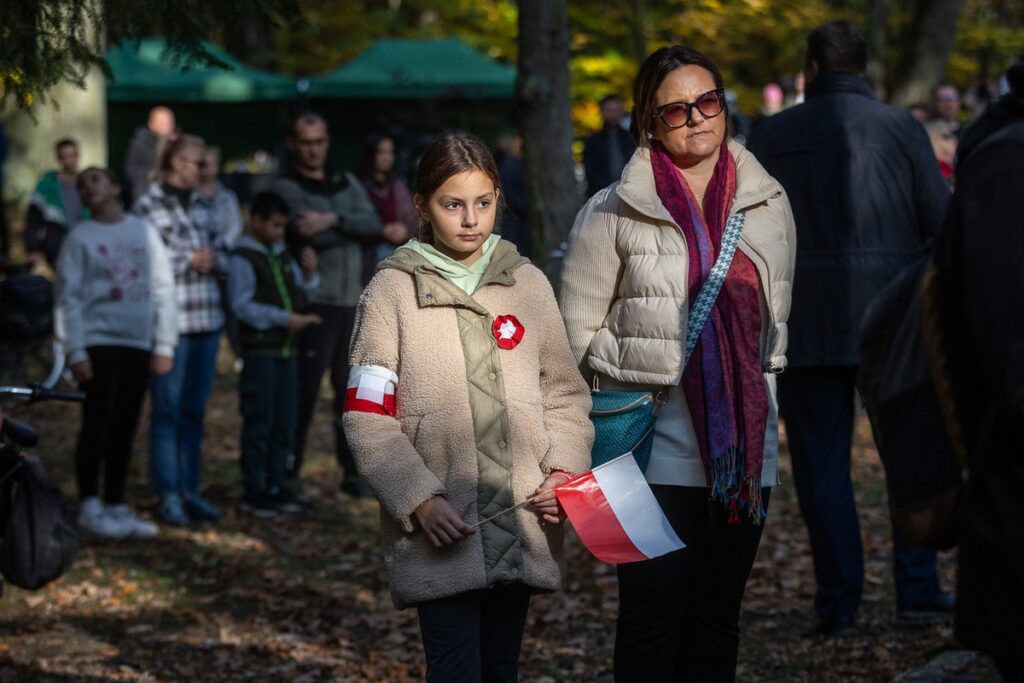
(982, 295)
(866, 194)
(596, 162)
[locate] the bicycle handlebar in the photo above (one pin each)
(35, 393)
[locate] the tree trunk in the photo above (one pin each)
(543, 92)
(640, 30)
(878, 13)
(936, 22)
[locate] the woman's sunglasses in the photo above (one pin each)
(677, 114)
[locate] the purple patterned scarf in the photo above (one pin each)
(723, 382)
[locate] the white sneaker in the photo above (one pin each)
(124, 515)
(95, 521)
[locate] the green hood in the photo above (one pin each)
(433, 288)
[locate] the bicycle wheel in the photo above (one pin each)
(36, 362)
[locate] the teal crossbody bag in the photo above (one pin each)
(624, 420)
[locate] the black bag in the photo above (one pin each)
(923, 474)
(39, 541)
(26, 307)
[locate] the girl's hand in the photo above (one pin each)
(546, 504)
(82, 371)
(161, 365)
(441, 522)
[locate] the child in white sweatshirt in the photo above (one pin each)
(116, 318)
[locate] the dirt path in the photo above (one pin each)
(303, 599)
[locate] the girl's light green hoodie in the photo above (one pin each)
(465, 278)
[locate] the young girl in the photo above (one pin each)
(464, 401)
(116, 318)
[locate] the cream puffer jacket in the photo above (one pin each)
(624, 292)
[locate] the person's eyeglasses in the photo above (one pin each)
(948, 98)
(677, 114)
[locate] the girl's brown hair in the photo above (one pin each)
(170, 149)
(659, 64)
(451, 154)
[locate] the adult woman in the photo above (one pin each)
(179, 397)
(390, 196)
(638, 255)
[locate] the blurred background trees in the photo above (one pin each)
(914, 45)
(919, 42)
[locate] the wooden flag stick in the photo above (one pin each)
(508, 510)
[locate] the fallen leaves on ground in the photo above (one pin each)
(303, 598)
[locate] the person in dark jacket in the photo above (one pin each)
(515, 226)
(606, 152)
(981, 295)
(143, 149)
(866, 194)
(333, 214)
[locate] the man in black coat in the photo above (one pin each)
(606, 152)
(982, 299)
(866, 195)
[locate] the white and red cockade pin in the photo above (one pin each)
(508, 331)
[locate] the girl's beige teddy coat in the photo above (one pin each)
(481, 425)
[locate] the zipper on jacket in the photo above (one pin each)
(643, 400)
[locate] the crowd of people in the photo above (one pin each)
(284, 287)
(460, 382)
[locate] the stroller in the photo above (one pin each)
(39, 541)
(28, 352)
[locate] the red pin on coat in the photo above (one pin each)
(508, 331)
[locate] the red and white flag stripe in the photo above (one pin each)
(616, 515)
(371, 389)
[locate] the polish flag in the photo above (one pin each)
(616, 515)
(371, 389)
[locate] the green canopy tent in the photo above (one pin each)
(413, 89)
(240, 110)
(143, 74)
(417, 69)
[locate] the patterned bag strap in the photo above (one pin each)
(701, 308)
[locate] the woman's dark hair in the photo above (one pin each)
(266, 204)
(368, 154)
(653, 71)
(838, 46)
(171, 149)
(451, 154)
